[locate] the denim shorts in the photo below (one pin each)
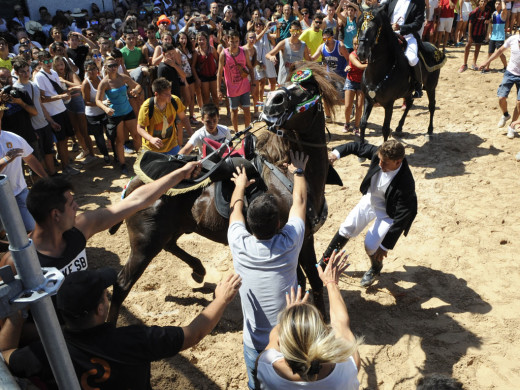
(352, 85)
(243, 100)
(508, 81)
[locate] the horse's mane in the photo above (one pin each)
(384, 18)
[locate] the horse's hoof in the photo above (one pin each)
(197, 277)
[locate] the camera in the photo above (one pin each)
(10, 90)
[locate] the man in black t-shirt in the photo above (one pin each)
(77, 52)
(106, 357)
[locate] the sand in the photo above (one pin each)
(446, 301)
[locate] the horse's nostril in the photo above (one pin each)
(278, 99)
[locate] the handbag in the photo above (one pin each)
(244, 72)
(59, 90)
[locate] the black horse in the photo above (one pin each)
(295, 117)
(388, 75)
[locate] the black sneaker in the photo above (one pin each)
(369, 277)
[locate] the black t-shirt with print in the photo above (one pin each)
(105, 357)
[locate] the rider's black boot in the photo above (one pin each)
(370, 276)
(337, 242)
(417, 75)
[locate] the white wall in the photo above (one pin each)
(64, 5)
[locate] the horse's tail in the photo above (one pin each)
(115, 228)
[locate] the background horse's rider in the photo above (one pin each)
(407, 18)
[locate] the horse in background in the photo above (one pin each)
(388, 75)
(296, 121)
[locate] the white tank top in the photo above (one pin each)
(342, 377)
(89, 110)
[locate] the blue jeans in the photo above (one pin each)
(250, 356)
(27, 218)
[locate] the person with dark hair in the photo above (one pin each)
(236, 67)
(156, 122)
(78, 52)
(106, 357)
(211, 130)
(185, 51)
(170, 68)
(313, 37)
(60, 234)
(151, 43)
(388, 198)
(292, 50)
(266, 256)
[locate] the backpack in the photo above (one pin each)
(151, 106)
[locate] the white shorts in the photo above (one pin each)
(465, 16)
(445, 25)
(359, 218)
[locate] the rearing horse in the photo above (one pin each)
(388, 75)
(295, 117)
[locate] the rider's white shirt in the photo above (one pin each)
(400, 11)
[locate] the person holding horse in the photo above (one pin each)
(266, 258)
(60, 234)
(388, 198)
(407, 18)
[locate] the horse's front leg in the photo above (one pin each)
(307, 261)
(389, 109)
(367, 109)
(431, 108)
(408, 103)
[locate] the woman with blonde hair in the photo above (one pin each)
(303, 352)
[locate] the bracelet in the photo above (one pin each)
(331, 281)
(6, 159)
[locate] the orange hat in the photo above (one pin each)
(163, 18)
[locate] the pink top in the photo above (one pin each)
(236, 85)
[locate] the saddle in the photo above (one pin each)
(432, 58)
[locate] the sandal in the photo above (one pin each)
(356, 131)
(463, 68)
(347, 128)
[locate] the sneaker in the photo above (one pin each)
(70, 171)
(128, 150)
(75, 147)
(503, 120)
(463, 68)
(503, 70)
(474, 67)
(510, 132)
(106, 159)
(90, 158)
(484, 71)
(347, 128)
(81, 155)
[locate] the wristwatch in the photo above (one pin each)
(299, 172)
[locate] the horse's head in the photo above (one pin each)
(309, 85)
(289, 100)
(370, 31)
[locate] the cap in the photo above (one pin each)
(32, 27)
(163, 18)
(227, 8)
(76, 13)
(82, 290)
(117, 23)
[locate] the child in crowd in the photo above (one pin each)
(211, 129)
(352, 89)
(478, 22)
(498, 32)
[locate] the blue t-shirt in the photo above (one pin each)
(498, 31)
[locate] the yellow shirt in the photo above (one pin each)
(161, 124)
(313, 40)
(6, 64)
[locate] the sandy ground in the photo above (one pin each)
(446, 301)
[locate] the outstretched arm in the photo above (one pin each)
(207, 320)
(297, 168)
(92, 222)
(237, 199)
(357, 148)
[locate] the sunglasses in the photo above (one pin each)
(295, 30)
(94, 22)
(46, 62)
(111, 66)
(305, 13)
(25, 51)
(164, 23)
(251, 37)
(142, 12)
(24, 42)
(326, 39)
(91, 34)
(96, 56)
(92, 69)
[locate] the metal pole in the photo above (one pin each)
(29, 270)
